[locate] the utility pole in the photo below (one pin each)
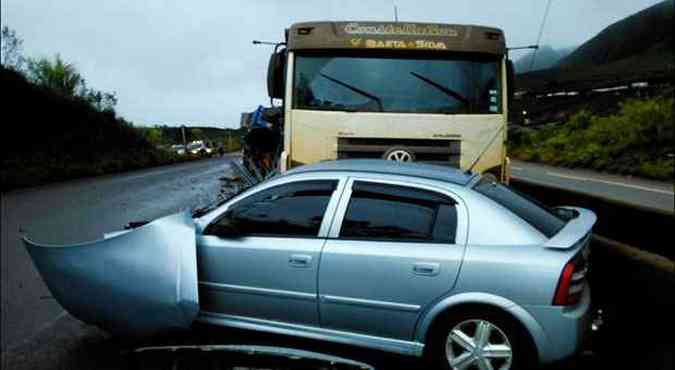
(541, 32)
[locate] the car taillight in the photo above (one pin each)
(572, 282)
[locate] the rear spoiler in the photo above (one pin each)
(575, 229)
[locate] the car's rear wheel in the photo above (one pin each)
(479, 339)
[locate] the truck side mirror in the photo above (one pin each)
(510, 83)
(275, 74)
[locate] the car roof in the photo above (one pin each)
(381, 166)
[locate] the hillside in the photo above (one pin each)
(546, 57)
(636, 140)
(636, 48)
(648, 31)
(55, 137)
(608, 105)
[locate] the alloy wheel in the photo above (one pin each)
(478, 344)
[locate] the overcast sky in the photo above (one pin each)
(192, 62)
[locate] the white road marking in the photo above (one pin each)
(516, 168)
(645, 188)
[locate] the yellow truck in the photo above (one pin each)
(424, 92)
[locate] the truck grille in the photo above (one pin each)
(438, 151)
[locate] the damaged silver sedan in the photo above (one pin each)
(407, 258)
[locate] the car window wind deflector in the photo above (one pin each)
(199, 212)
(356, 90)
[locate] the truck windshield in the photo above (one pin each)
(448, 85)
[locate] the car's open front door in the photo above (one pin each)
(137, 283)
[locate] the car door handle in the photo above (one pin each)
(426, 268)
(300, 260)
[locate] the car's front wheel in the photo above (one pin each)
(479, 340)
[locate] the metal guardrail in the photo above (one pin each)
(643, 228)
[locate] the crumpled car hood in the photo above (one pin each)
(138, 283)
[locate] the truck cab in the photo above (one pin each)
(400, 91)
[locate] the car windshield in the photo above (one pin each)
(383, 83)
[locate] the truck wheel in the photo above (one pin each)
(399, 154)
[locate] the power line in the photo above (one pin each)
(541, 31)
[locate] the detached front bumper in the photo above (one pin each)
(139, 282)
(567, 328)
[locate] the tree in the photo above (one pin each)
(56, 75)
(197, 134)
(102, 101)
(11, 57)
(65, 79)
(153, 135)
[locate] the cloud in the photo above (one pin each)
(192, 62)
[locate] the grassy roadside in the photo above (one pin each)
(52, 137)
(638, 140)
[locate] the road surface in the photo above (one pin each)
(78, 211)
(636, 191)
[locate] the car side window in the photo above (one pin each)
(534, 213)
(294, 210)
(399, 213)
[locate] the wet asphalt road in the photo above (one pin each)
(645, 193)
(78, 211)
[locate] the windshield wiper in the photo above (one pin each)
(356, 90)
(445, 90)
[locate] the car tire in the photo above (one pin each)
(399, 154)
(504, 333)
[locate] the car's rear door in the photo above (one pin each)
(393, 249)
(268, 271)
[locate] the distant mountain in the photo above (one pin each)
(645, 34)
(638, 47)
(546, 57)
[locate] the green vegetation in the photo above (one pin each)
(638, 140)
(64, 79)
(58, 128)
(55, 137)
(63, 129)
(164, 136)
